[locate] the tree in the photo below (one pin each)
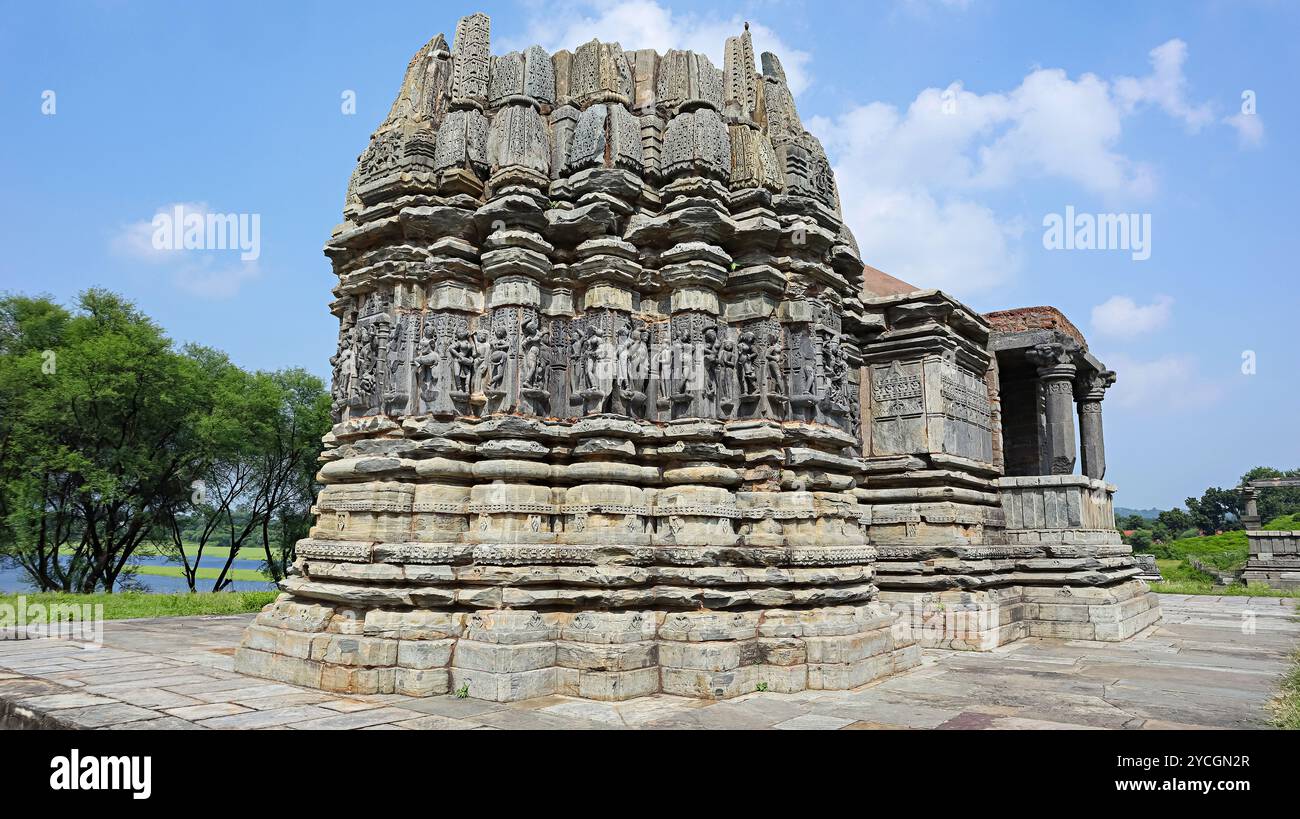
(1274, 502)
(257, 480)
(292, 449)
(1140, 540)
(1131, 522)
(1159, 532)
(1217, 509)
(110, 438)
(1175, 521)
(98, 435)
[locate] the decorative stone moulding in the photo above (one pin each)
(597, 393)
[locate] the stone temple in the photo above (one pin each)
(621, 411)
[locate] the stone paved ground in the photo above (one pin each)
(1196, 669)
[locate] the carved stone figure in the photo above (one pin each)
(499, 360)
(531, 371)
(712, 363)
(592, 361)
(345, 367)
(747, 361)
(664, 375)
(482, 354)
(638, 365)
(462, 361)
(429, 364)
(774, 360)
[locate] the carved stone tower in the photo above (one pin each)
(597, 393)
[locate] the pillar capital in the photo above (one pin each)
(1053, 361)
(1091, 387)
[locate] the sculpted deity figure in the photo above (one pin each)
(427, 361)
(726, 370)
(686, 368)
(482, 354)
(775, 366)
(808, 369)
(663, 364)
(638, 361)
(500, 357)
(345, 366)
(366, 365)
(462, 360)
(747, 356)
(591, 358)
(531, 372)
(396, 361)
(836, 372)
(622, 350)
(712, 361)
(577, 365)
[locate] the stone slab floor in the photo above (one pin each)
(1197, 669)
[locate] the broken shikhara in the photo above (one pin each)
(621, 411)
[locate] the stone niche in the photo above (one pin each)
(597, 391)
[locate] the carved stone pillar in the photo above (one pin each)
(1089, 392)
(1251, 518)
(1056, 386)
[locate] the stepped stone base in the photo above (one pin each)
(1274, 558)
(506, 655)
(981, 620)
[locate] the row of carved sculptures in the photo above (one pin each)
(514, 360)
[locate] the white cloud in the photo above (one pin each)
(135, 240)
(208, 274)
(1171, 382)
(1165, 87)
(1249, 128)
(926, 168)
(1122, 317)
(636, 24)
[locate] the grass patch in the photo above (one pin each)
(1180, 577)
(1286, 523)
(1286, 705)
(129, 605)
(191, 549)
(250, 575)
(1226, 551)
(1180, 571)
(1235, 590)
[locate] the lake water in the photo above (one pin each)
(14, 580)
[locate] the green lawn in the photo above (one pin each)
(1286, 523)
(166, 550)
(1180, 577)
(251, 575)
(128, 605)
(1226, 551)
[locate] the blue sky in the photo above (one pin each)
(955, 128)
